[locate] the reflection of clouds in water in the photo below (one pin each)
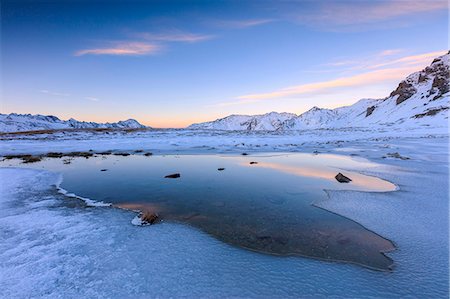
(149, 207)
(369, 183)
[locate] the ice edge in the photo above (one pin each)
(89, 202)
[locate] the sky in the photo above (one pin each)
(174, 63)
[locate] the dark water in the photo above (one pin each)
(265, 207)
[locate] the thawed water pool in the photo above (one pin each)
(265, 206)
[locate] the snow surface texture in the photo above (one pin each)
(422, 99)
(194, 141)
(26, 122)
(51, 247)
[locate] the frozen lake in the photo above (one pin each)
(260, 202)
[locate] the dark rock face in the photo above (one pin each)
(149, 218)
(438, 72)
(370, 111)
(422, 78)
(173, 176)
(148, 154)
(404, 91)
(342, 178)
(431, 112)
(441, 83)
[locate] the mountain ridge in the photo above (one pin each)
(15, 122)
(421, 99)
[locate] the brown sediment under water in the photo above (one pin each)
(265, 206)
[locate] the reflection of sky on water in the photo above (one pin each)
(264, 207)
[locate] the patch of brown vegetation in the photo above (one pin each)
(80, 154)
(121, 154)
(54, 155)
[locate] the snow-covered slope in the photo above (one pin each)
(422, 99)
(26, 122)
(269, 121)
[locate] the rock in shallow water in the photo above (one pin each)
(342, 178)
(172, 176)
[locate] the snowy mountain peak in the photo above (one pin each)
(434, 79)
(26, 122)
(265, 122)
(421, 99)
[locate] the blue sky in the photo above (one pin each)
(172, 63)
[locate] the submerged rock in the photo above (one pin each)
(103, 169)
(220, 169)
(244, 154)
(342, 178)
(148, 154)
(253, 162)
(173, 176)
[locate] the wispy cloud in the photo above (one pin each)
(391, 52)
(123, 48)
(385, 58)
(398, 69)
(413, 60)
(93, 99)
(347, 13)
(174, 37)
(242, 23)
(58, 94)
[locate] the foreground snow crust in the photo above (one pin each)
(55, 247)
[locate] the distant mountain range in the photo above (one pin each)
(422, 99)
(26, 122)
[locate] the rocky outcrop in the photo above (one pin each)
(342, 178)
(431, 112)
(370, 110)
(404, 91)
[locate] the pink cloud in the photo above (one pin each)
(130, 48)
(401, 68)
(243, 23)
(175, 37)
(345, 13)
